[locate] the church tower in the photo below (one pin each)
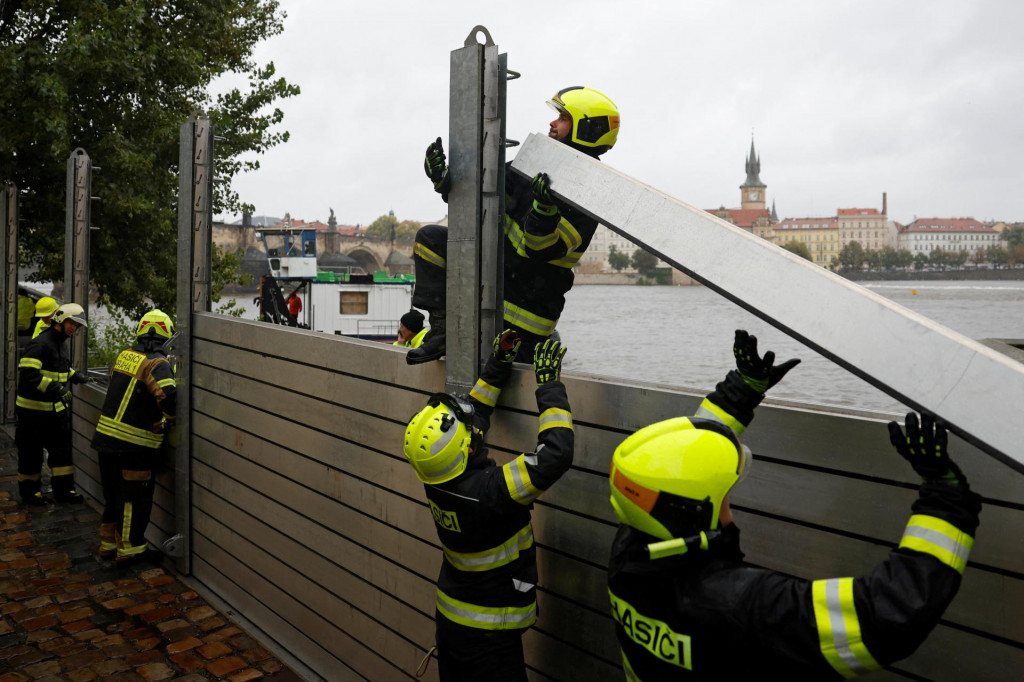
(752, 191)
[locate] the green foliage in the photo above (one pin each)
(938, 258)
(997, 255)
(108, 338)
(618, 260)
(852, 257)
(644, 262)
(1014, 235)
(799, 248)
(387, 227)
(118, 79)
(920, 260)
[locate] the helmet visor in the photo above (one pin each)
(460, 406)
(746, 462)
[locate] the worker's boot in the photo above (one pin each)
(64, 490)
(432, 347)
(30, 493)
(108, 541)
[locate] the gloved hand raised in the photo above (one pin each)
(80, 378)
(435, 166)
(926, 448)
(547, 361)
(506, 346)
(540, 189)
(760, 373)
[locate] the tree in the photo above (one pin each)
(920, 261)
(798, 248)
(618, 260)
(978, 255)
(644, 262)
(997, 255)
(1014, 235)
(851, 257)
(938, 258)
(904, 258)
(888, 258)
(873, 259)
(118, 79)
(957, 259)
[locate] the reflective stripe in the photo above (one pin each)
(125, 399)
(129, 434)
(457, 462)
(428, 255)
(62, 471)
(485, 393)
(107, 545)
(164, 383)
(517, 480)
(555, 418)
(62, 377)
(567, 261)
(485, 617)
(524, 319)
(29, 477)
(941, 539)
(44, 384)
(488, 559)
(564, 231)
(628, 669)
(31, 362)
(708, 410)
(28, 404)
(126, 528)
(839, 634)
(544, 209)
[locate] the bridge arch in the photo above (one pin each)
(367, 259)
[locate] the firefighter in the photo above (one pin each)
(486, 590)
(138, 411)
(686, 606)
(545, 237)
(45, 308)
(45, 376)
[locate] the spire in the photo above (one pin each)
(775, 216)
(753, 168)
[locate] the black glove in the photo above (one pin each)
(506, 346)
(759, 373)
(80, 378)
(539, 188)
(64, 394)
(926, 448)
(547, 361)
(435, 167)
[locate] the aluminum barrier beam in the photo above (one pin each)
(9, 295)
(77, 219)
(913, 359)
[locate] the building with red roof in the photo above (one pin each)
(924, 235)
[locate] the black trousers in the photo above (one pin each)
(38, 430)
(127, 480)
(467, 654)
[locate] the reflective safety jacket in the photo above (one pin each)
(489, 574)
(44, 369)
(140, 401)
(414, 342)
(706, 615)
(541, 248)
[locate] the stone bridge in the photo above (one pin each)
(371, 254)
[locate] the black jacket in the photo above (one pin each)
(489, 574)
(43, 371)
(140, 401)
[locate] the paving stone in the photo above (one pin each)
(158, 615)
(147, 643)
(243, 642)
(157, 671)
(89, 635)
(82, 660)
(246, 675)
(72, 628)
(118, 650)
(256, 655)
(167, 598)
(183, 645)
(110, 667)
(190, 678)
(138, 633)
(223, 633)
(43, 669)
(42, 636)
(214, 650)
(225, 666)
(14, 677)
(118, 603)
(31, 624)
(173, 624)
(272, 666)
(144, 657)
(28, 658)
(210, 624)
(82, 675)
(76, 614)
(187, 661)
(5, 627)
(108, 639)
(139, 608)
(201, 613)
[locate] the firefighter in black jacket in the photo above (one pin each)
(545, 237)
(138, 411)
(687, 607)
(486, 591)
(45, 376)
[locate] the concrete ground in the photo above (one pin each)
(67, 615)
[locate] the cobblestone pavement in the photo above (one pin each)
(67, 615)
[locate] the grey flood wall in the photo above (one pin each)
(308, 522)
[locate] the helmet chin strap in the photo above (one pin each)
(676, 546)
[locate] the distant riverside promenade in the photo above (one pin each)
(1014, 273)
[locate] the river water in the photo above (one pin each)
(682, 336)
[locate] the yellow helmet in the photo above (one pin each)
(595, 118)
(437, 439)
(70, 311)
(669, 479)
(156, 322)
(46, 306)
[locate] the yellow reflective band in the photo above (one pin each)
(524, 319)
(628, 669)
(29, 477)
(125, 399)
(129, 434)
(164, 383)
(31, 362)
(429, 256)
(653, 635)
(568, 261)
(44, 384)
(107, 545)
(62, 471)
(708, 410)
(56, 376)
(941, 539)
(126, 528)
(516, 236)
(569, 234)
(505, 553)
(555, 418)
(544, 209)
(517, 480)
(486, 617)
(40, 405)
(485, 393)
(839, 634)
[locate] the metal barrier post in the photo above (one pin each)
(195, 214)
(475, 206)
(9, 296)
(78, 214)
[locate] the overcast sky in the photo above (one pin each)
(923, 99)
